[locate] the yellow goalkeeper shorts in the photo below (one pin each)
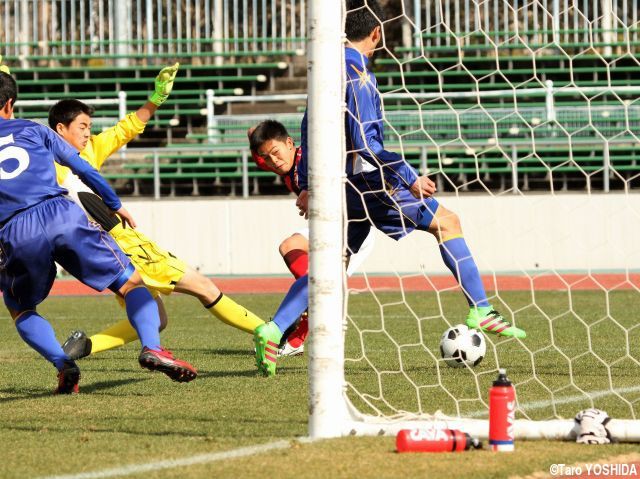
(160, 270)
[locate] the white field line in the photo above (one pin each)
(528, 406)
(253, 450)
(186, 461)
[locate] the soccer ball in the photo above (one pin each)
(462, 346)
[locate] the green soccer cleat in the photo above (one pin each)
(489, 320)
(267, 338)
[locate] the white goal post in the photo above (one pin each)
(327, 406)
(331, 412)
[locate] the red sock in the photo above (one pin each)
(296, 339)
(297, 261)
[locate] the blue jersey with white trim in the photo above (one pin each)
(364, 129)
(27, 172)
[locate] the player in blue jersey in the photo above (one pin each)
(39, 225)
(382, 191)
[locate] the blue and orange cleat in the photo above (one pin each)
(163, 360)
(267, 338)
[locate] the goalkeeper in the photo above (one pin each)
(161, 271)
(382, 191)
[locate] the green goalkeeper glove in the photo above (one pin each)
(164, 84)
(4, 68)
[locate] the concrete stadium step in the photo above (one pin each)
(284, 84)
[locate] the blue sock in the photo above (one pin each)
(143, 315)
(458, 258)
(294, 304)
(38, 333)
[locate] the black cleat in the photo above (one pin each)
(77, 346)
(68, 379)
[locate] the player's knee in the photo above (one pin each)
(204, 289)
(449, 224)
(293, 242)
(128, 279)
(286, 246)
(207, 288)
(14, 313)
(454, 225)
(133, 281)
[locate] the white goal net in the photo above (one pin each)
(526, 116)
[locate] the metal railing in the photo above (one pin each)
(157, 153)
(591, 124)
(510, 146)
(541, 22)
(155, 28)
(549, 93)
(426, 131)
(121, 101)
(150, 27)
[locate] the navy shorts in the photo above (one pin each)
(54, 230)
(394, 212)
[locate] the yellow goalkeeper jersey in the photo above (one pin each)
(101, 146)
(160, 270)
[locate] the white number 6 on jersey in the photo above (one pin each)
(12, 153)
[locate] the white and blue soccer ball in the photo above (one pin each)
(461, 346)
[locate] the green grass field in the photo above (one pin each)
(126, 416)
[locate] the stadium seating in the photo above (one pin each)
(455, 140)
(179, 116)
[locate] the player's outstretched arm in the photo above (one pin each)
(163, 86)
(112, 139)
(4, 68)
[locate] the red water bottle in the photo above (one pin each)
(434, 440)
(502, 413)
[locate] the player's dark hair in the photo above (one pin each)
(65, 111)
(362, 17)
(8, 89)
(265, 131)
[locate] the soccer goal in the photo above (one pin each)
(527, 117)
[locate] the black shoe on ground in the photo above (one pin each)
(68, 379)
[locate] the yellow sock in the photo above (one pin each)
(114, 336)
(230, 312)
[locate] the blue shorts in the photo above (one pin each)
(54, 230)
(395, 213)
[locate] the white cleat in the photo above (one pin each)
(289, 350)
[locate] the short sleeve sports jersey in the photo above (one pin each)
(99, 148)
(27, 174)
(364, 129)
(365, 125)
